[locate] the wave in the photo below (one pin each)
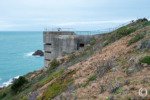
(29, 54)
(9, 82)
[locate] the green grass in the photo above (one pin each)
(58, 86)
(54, 64)
(53, 75)
(93, 41)
(136, 38)
(91, 78)
(148, 92)
(119, 90)
(125, 30)
(146, 60)
(146, 23)
(119, 33)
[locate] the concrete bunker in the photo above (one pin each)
(58, 43)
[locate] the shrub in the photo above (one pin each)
(124, 31)
(119, 90)
(146, 60)
(93, 41)
(53, 64)
(136, 38)
(18, 83)
(119, 33)
(142, 20)
(2, 95)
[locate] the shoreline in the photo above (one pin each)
(9, 82)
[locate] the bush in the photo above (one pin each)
(136, 38)
(119, 33)
(124, 31)
(18, 83)
(142, 20)
(2, 95)
(93, 41)
(53, 64)
(146, 60)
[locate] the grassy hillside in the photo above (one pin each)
(114, 66)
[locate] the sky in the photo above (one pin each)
(36, 15)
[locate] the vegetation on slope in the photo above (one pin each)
(146, 60)
(18, 83)
(126, 30)
(90, 71)
(136, 38)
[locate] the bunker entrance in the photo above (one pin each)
(80, 45)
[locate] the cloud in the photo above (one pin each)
(95, 22)
(37, 14)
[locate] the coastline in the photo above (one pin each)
(9, 82)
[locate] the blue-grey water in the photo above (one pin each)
(16, 50)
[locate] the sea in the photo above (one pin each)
(16, 49)
(16, 58)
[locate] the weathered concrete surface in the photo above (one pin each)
(59, 43)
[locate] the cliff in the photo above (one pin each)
(113, 66)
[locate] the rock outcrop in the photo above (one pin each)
(38, 53)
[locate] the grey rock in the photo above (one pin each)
(38, 53)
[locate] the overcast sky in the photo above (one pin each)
(35, 15)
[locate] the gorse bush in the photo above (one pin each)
(136, 38)
(146, 60)
(18, 83)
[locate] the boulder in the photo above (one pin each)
(38, 53)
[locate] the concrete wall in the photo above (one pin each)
(58, 43)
